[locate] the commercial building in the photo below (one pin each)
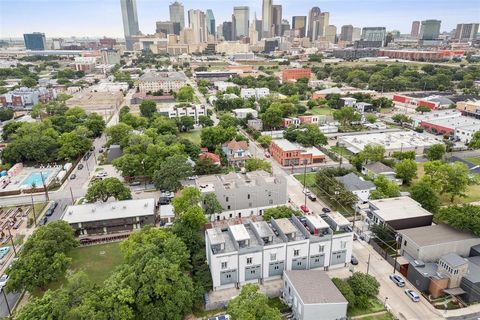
(266, 18)
(86, 64)
(391, 141)
(421, 55)
(435, 115)
(175, 112)
(470, 108)
(466, 32)
(214, 75)
(35, 41)
(313, 23)
(429, 243)
(256, 93)
(227, 30)
(198, 23)
(432, 102)
(166, 27)
(430, 29)
(311, 293)
(262, 251)
(110, 217)
(295, 74)
(166, 81)
(346, 33)
(177, 14)
(374, 36)
(398, 213)
(359, 187)
(130, 22)
(354, 53)
(276, 27)
(26, 98)
(110, 56)
(243, 195)
(241, 21)
(460, 128)
(299, 24)
(103, 103)
(210, 22)
(287, 153)
(415, 29)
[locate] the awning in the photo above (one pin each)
(401, 260)
(454, 291)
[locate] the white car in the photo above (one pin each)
(397, 280)
(101, 174)
(306, 191)
(412, 295)
(3, 280)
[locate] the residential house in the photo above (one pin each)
(357, 185)
(244, 112)
(209, 155)
(236, 152)
(377, 168)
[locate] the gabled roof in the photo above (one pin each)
(209, 155)
(353, 183)
(378, 167)
(236, 145)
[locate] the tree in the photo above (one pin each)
(43, 258)
(118, 133)
(189, 197)
(404, 155)
(74, 144)
(406, 170)
(171, 171)
(130, 165)
(148, 108)
(264, 140)
(371, 118)
(95, 124)
(214, 136)
(252, 305)
(185, 94)
(28, 82)
(383, 232)
(373, 153)
(475, 142)
(345, 290)
(272, 118)
(252, 164)
(280, 212)
(365, 287)
(401, 119)
(10, 128)
(436, 152)
(386, 188)
(205, 121)
(426, 195)
(452, 178)
(423, 109)
(6, 114)
(346, 116)
(165, 125)
(227, 121)
(102, 190)
(465, 217)
(186, 123)
(206, 166)
(211, 204)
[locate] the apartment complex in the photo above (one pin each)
(263, 250)
(243, 195)
(26, 97)
(256, 93)
(174, 112)
(166, 81)
(292, 154)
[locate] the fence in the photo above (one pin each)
(383, 252)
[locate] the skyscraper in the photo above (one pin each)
(313, 19)
(330, 34)
(241, 15)
(466, 31)
(130, 21)
(35, 41)
(259, 27)
(430, 29)
(415, 29)
(346, 33)
(210, 22)
(357, 34)
(165, 27)
(373, 37)
(323, 23)
(299, 23)
(227, 30)
(276, 20)
(197, 21)
(177, 14)
(266, 18)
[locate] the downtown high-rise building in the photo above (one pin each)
(324, 22)
(210, 22)
(374, 37)
(241, 21)
(227, 30)
(346, 33)
(276, 20)
(259, 27)
(198, 23)
(357, 34)
(430, 29)
(299, 24)
(35, 41)
(330, 34)
(165, 27)
(415, 29)
(266, 18)
(130, 21)
(177, 14)
(466, 32)
(313, 23)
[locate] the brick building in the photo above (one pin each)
(288, 154)
(295, 74)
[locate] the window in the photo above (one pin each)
(321, 248)
(226, 199)
(405, 242)
(343, 244)
(339, 256)
(224, 265)
(249, 260)
(270, 201)
(248, 196)
(273, 256)
(296, 253)
(276, 267)
(299, 263)
(228, 207)
(228, 276)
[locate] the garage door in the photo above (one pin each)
(339, 257)
(317, 261)
(275, 268)
(229, 276)
(253, 272)
(299, 263)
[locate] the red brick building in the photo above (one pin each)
(288, 154)
(295, 74)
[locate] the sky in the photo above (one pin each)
(63, 18)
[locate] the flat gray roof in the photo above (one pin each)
(239, 232)
(286, 226)
(314, 287)
(216, 236)
(109, 210)
(263, 229)
(435, 235)
(453, 259)
(398, 208)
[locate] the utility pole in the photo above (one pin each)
(304, 181)
(11, 239)
(6, 302)
(71, 194)
(368, 263)
(44, 186)
(33, 208)
(396, 254)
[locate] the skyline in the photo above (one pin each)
(104, 18)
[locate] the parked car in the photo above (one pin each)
(4, 251)
(135, 183)
(397, 280)
(354, 261)
(92, 148)
(49, 212)
(3, 280)
(306, 191)
(55, 205)
(43, 221)
(80, 166)
(73, 176)
(412, 295)
(325, 210)
(267, 155)
(304, 208)
(101, 174)
(220, 317)
(312, 197)
(193, 178)
(100, 150)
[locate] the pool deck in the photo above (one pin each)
(18, 181)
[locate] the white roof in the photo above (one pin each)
(286, 145)
(286, 225)
(166, 211)
(317, 222)
(398, 208)
(244, 110)
(216, 236)
(239, 232)
(109, 210)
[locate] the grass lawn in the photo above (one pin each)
(342, 151)
(474, 160)
(321, 111)
(97, 261)
(385, 316)
(375, 306)
(193, 136)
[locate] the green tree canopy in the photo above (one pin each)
(211, 204)
(386, 188)
(252, 164)
(171, 171)
(406, 170)
(148, 108)
(252, 305)
(280, 212)
(426, 195)
(436, 152)
(465, 217)
(475, 142)
(189, 197)
(102, 190)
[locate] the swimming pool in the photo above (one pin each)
(36, 178)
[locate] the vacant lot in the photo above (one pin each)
(321, 111)
(193, 136)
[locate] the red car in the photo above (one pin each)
(304, 209)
